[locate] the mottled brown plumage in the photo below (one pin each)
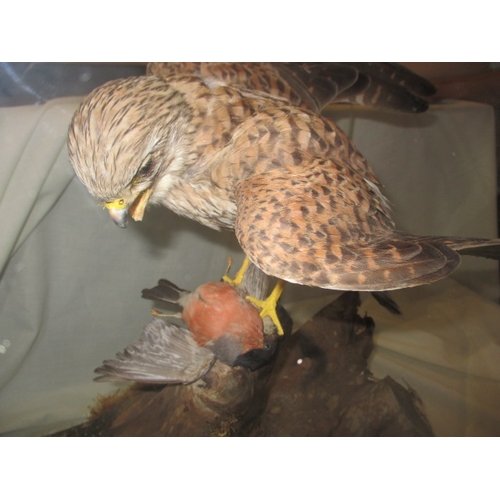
(243, 147)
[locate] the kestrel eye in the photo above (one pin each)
(144, 172)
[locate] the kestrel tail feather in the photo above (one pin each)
(478, 247)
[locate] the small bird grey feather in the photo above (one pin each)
(164, 354)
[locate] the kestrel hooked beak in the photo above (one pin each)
(119, 209)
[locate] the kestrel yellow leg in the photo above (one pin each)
(238, 278)
(267, 306)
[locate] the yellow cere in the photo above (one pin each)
(116, 204)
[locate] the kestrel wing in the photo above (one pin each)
(319, 84)
(379, 85)
(397, 75)
(164, 354)
(314, 85)
(334, 234)
(388, 86)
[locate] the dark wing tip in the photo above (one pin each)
(165, 291)
(387, 302)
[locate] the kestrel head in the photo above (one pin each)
(125, 142)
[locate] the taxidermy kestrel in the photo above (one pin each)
(243, 147)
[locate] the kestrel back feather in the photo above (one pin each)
(243, 147)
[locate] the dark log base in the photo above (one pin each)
(319, 385)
